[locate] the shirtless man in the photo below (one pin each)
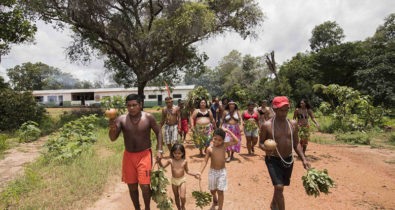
(171, 118)
(137, 161)
(280, 162)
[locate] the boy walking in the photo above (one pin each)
(217, 178)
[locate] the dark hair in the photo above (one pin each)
(219, 132)
(306, 102)
(198, 105)
(176, 147)
(224, 98)
(263, 101)
(133, 97)
(168, 98)
(227, 105)
(251, 103)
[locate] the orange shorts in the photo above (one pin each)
(136, 167)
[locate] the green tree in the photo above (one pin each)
(144, 39)
(3, 84)
(18, 107)
(376, 79)
(15, 27)
(325, 35)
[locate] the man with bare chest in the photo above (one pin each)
(137, 159)
(171, 118)
(280, 161)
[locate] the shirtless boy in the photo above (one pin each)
(217, 178)
(171, 118)
(280, 162)
(137, 161)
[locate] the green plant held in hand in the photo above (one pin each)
(29, 132)
(159, 192)
(250, 125)
(303, 133)
(316, 181)
(202, 198)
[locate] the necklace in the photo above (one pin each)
(286, 164)
(135, 122)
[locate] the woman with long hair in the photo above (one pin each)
(302, 112)
(251, 124)
(231, 119)
(202, 126)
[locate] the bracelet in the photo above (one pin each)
(160, 151)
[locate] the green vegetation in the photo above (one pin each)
(316, 182)
(28, 132)
(354, 138)
(159, 192)
(3, 142)
(73, 138)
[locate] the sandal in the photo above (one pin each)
(227, 160)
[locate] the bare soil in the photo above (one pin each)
(17, 157)
(365, 179)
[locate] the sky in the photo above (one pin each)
(286, 30)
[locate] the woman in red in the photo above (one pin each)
(251, 124)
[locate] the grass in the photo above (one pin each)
(69, 185)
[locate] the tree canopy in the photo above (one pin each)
(325, 35)
(15, 27)
(145, 39)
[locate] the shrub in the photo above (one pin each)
(354, 138)
(392, 137)
(74, 137)
(28, 132)
(48, 125)
(118, 102)
(3, 142)
(76, 114)
(17, 108)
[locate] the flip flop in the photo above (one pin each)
(227, 160)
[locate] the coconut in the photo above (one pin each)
(270, 144)
(111, 113)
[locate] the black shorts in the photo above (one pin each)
(279, 172)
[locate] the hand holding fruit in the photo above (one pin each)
(111, 113)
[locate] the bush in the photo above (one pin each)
(76, 114)
(118, 102)
(17, 108)
(3, 142)
(28, 132)
(74, 137)
(48, 125)
(392, 137)
(354, 138)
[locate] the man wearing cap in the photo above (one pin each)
(279, 162)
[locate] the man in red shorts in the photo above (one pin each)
(184, 119)
(137, 158)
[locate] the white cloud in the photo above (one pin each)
(286, 30)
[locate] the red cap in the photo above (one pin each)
(280, 101)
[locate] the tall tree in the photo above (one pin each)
(14, 26)
(325, 35)
(3, 84)
(376, 79)
(143, 39)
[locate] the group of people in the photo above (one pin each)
(216, 131)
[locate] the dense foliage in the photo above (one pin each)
(117, 102)
(28, 132)
(194, 96)
(72, 139)
(159, 191)
(17, 108)
(202, 198)
(316, 182)
(15, 27)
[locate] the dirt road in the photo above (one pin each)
(365, 179)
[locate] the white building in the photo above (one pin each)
(153, 96)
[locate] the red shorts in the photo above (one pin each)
(136, 167)
(184, 125)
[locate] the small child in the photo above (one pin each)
(217, 180)
(178, 166)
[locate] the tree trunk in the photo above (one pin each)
(140, 92)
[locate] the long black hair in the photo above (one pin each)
(176, 147)
(306, 102)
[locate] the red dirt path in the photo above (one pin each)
(365, 179)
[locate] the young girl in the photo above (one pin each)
(179, 166)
